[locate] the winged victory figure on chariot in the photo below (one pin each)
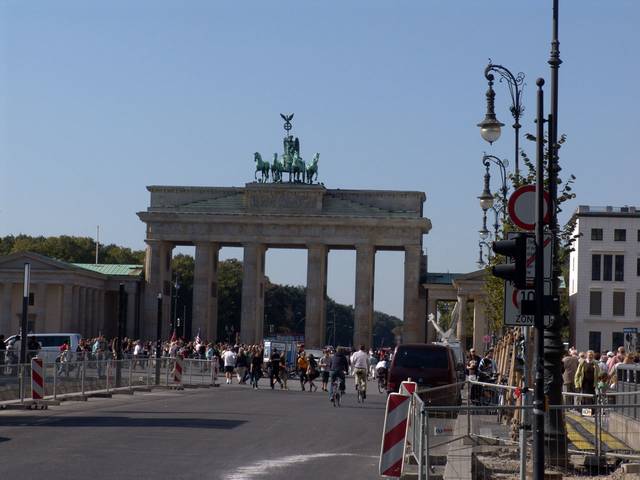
(292, 163)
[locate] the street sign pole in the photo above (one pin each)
(538, 401)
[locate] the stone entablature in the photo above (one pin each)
(291, 215)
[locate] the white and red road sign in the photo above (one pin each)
(522, 207)
(37, 379)
(393, 435)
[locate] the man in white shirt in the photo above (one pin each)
(229, 358)
(360, 363)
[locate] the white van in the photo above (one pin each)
(49, 343)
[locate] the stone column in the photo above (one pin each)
(130, 289)
(100, 311)
(92, 311)
(157, 280)
(6, 312)
(75, 316)
(82, 318)
(66, 318)
(41, 308)
(363, 319)
(205, 290)
(462, 304)
(413, 329)
(315, 317)
(480, 327)
(252, 321)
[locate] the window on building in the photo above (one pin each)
(637, 304)
(617, 340)
(606, 267)
(639, 235)
(638, 266)
(618, 304)
(32, 300)
(595, 302)
(595, 266)
(619, 274)
(595, 339)
(619, 235)
(596, 234)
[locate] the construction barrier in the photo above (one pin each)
(407, 388)
(37, 379)
(393, 436)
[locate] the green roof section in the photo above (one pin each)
(442, 278)
(120, 270)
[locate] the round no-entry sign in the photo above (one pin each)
(522, 207)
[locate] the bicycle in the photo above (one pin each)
(382, 381)
(361, 385)
(336, 388)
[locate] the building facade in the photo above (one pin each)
(604, 277)
(69, 298)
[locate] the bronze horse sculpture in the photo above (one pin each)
(262, 167)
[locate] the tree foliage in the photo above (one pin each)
(70, 249)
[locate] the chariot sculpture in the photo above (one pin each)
(291, 162)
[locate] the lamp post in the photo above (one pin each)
(481, 262)
(490, 127)
(159, 339)
(176, 290)
(487, 200)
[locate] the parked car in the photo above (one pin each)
(49, 343)
(429, 365)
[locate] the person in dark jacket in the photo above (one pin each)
(256, 367)
(274, 370)
(338, 367)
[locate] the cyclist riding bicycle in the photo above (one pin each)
(382, 367)
(337, 367)
(360, 362)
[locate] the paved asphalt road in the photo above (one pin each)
(227, 433)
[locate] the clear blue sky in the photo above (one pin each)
(100, 99)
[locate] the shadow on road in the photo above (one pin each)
(121, 422)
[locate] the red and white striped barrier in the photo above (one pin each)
(393, 436)
(407, 388)
(37, 379)
(177, 371)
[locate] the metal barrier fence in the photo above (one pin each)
(100, 375)
(475, 440)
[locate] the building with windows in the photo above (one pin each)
(604, 277)
(69, 297)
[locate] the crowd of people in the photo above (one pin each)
(587, 372)
(244, 363)
(593, 372)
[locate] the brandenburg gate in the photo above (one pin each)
(284, 214)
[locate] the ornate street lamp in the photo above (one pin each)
(481, 261)
(490, 126)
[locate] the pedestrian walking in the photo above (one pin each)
(241, 366)
(303, 365)
(256, 367)
(569, 369)
(312, 372)
(324, 362)
(229, 358)
(587, 376)
(274, 369)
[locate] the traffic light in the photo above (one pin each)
(516, 271)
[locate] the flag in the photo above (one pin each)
(197, 339)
